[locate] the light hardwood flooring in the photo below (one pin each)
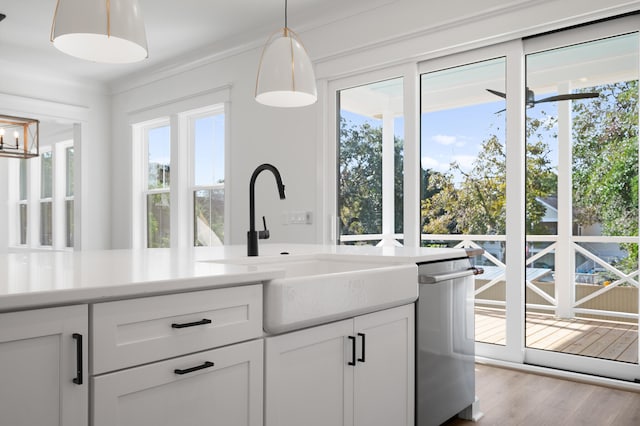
(602, 339)
(514, 398)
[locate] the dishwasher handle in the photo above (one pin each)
(432, 279)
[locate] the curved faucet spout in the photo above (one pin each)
(253, 235)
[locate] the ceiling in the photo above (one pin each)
(177, 30)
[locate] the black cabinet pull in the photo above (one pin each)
(78, 338)
(353, 350)
(191, 324)
(206, 364)
(361, 359)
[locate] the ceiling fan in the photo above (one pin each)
(530, 100)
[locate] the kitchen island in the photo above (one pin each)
(165, 336)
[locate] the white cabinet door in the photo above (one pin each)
(306, 379)
(221, 387)
(310, 380)
(384, 374)
(38, 365)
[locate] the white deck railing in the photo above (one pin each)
(497, 269)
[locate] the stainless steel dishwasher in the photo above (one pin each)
(445, 339)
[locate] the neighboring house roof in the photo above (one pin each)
(551, 208)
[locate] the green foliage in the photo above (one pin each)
(477, 205)
(360, 179)
(605, 163)
(158, 231)
(605, 166)
(209, 210)
(605, 176)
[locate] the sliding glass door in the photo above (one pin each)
(529, 150)
(582, 204)
(463, 176)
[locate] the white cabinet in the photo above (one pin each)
(353, 372)
(220, 387)
(384, 381)
(131, 332)
(180, 359)
(43, 368)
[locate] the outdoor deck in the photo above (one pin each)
(596, 338)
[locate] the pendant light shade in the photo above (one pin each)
(285, 75)
(110, 31)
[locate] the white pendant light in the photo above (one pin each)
(285, 75)
(110, 31)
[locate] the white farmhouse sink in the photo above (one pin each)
(323, 288)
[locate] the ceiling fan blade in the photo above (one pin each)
(568, 96)
(495, 92)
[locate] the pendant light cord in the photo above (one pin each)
(108, 18)
(285, 14)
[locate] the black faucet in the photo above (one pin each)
(253, 235)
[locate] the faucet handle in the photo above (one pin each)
(263, 235)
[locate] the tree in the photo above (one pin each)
(360, 179)
(605, 163)
(605, 159)
(477, 205)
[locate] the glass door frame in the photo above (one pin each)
(515, 350)
(564, 361)
(411, 189)
(512, 51)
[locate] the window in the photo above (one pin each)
(370, 169)
(46, 198)
(41, 189)
(69, 200)
(181, 162)
(22, 203)
(208, 166)
(158, 208)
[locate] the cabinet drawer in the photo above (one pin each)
(222, 386)
(131, 332)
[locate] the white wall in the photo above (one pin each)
(400, 32)
(259, 134)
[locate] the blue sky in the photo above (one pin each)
(448, 135)
(208, 145)
(457, 134)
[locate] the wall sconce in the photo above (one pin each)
(19, 137)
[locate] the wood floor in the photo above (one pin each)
(514, 398)
(601, 339)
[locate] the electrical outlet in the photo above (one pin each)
(297, 217)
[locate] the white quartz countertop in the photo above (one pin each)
(47, 278)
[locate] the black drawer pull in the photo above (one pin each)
(78, 338)
(353, 350)
(191, 324)
(206, 364)
(361, 359)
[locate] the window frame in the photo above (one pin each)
(69, 234)
(411, 187)
(190, 118)
(177, 113)
(33, 199)
(141, 136)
